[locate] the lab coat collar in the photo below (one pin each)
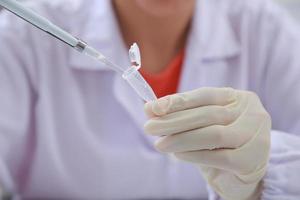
(212, 32)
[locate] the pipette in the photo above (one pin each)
(131, 75)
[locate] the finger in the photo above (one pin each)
(208, 138)
(148, 110)
(192, 99)
(245, 159)
(186, 120)
(219, 158)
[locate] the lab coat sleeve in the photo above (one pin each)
(278, 43)
(16, 100)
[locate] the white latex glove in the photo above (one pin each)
(225, 132)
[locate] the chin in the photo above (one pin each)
(164, 8)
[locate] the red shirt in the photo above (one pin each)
(167, 81)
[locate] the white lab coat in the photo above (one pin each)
(72, 128)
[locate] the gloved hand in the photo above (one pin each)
(225, 132)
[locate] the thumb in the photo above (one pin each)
(158, 107)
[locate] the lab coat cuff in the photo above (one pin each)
(282, 178)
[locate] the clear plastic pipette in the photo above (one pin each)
(131, 75)
(90, 51)
(45, 25)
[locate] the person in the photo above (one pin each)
(223, 70)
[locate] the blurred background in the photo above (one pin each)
(293, 7)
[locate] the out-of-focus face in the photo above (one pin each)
(163, 8)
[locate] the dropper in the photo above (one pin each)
(45, 25)
(131, 74)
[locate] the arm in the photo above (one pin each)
(279, 90)
(228, 136)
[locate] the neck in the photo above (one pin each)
(159, 38)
